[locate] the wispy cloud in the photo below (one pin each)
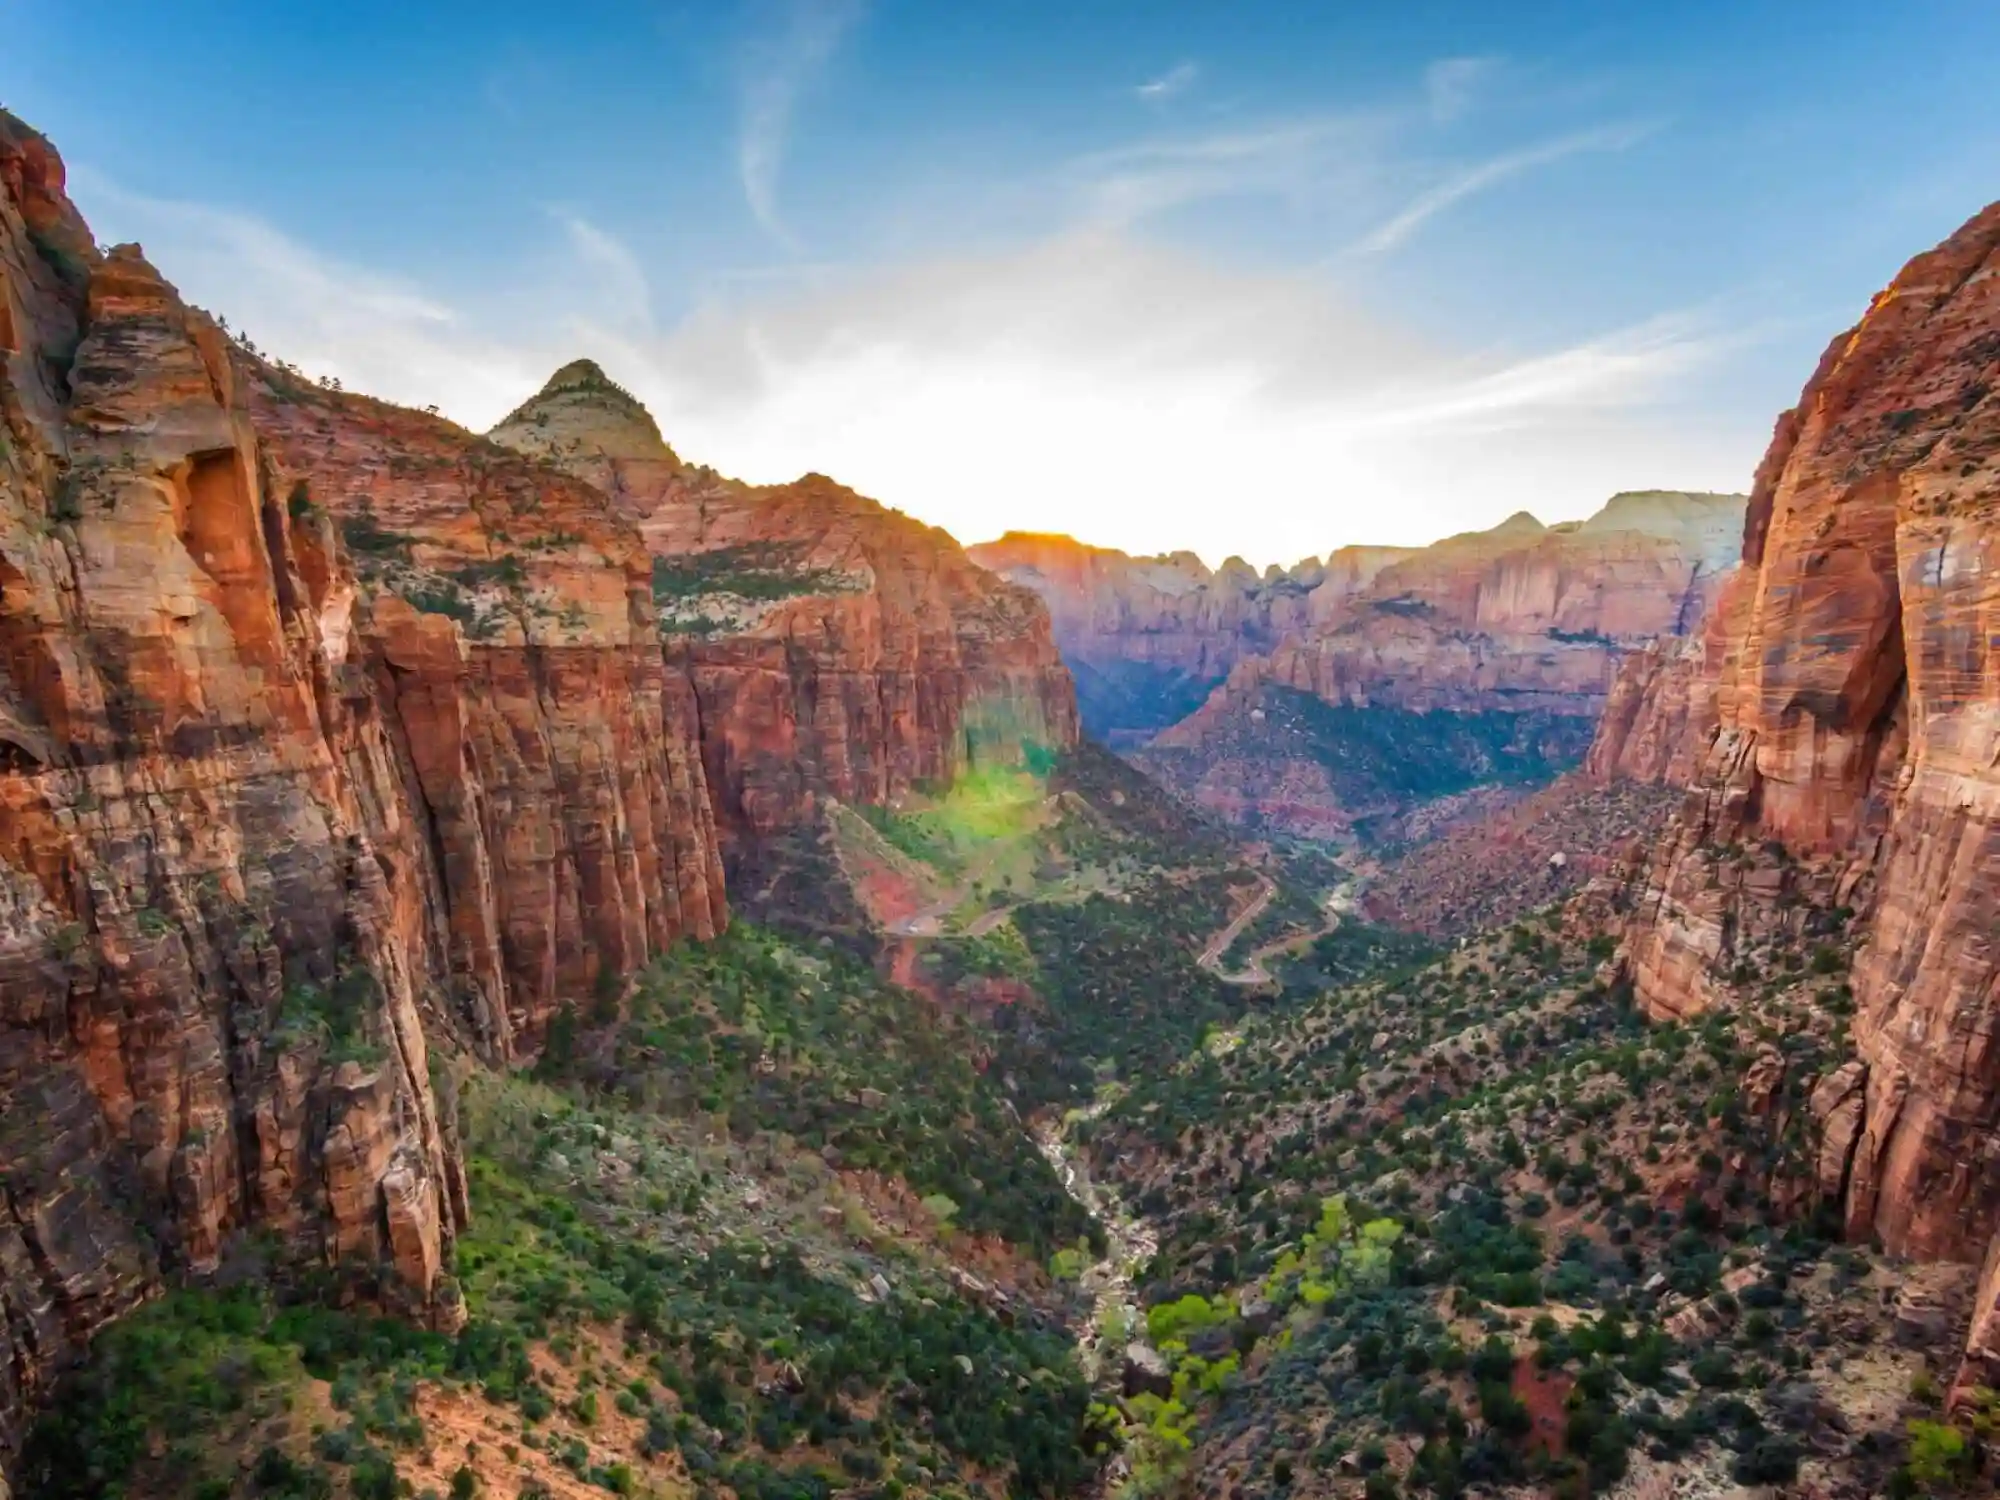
(1175, 80)
(788, 53)
(1451, 83)
(1283, 158)
(1464, 184)
(613, 266)
(373, 332)
(1162, 398)
(1606, 372)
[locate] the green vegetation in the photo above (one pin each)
(688, 588)
(368, 539)
(714, 1303)
(662, 1218)
(185, 1389)
(1379, 1165)
(967, 824)
(757, 1034)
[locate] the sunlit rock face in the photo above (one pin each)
(1855, 706)
(833, 647)
(1512, 638)
(212, 968)
(331, 736)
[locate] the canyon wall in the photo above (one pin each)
(338, 743)
(835, 648)
(1522, 615)
(331, 737)
(1484, 659)
(1855, 698)
(1148, 637)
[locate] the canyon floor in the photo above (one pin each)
(1131, 1162)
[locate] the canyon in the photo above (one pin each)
(834, 649)
(342, 749)
(722, 879)
(1341, 695)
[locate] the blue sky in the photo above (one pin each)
(1247, 278)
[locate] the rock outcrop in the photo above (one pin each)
(559, 829)
(1519, 616)
(1147, 637)
(329, 734)
(1856, 694)
(1515, 634)
(835, 648)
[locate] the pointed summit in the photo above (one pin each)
(581, 420)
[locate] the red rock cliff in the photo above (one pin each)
(1857, 693)
(1517, 618)
(1173, 611)
(327, 732)
(558, 818)
(835, 647)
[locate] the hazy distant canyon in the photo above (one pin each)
(1343, 692)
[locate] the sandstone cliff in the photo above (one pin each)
(1521, 615)
(835, 648)
(1148, 637)
(328, 733)
(1854, 690)
(1514, 635)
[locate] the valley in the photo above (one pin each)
(532, 969)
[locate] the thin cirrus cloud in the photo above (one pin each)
(1452, 84)
(1284, 159)
(612, 266)
(1466, 182)
(790, 46)
(1176, 80)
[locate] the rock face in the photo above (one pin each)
(1855, 702)
(1520, 616)
(559, 820)
(329, 733)
(1147, 637)
(835, 648)
(1659, 714)
(1513, 635)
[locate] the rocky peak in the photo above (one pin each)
(1520, 524)
(1709, 522)
(585, 421)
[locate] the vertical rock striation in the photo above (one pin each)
(834, 648)
(1856, 695)
(329, 734)
(555, 818)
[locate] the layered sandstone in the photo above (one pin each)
(330, 735)
(560, 829)
(1147, 637)
(1515, 636)
(1522, 615)
(1172, 610)
(1856, 699)
(835, 648)
(209, 1006)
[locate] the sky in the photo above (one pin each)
(1257, 279)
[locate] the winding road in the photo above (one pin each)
(1337, 904)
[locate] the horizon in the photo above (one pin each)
(1253, 286)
